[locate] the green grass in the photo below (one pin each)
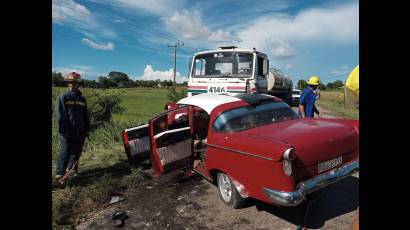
(333, 101)
(103, 165)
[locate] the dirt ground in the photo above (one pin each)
(179, 201)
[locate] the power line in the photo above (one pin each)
(129, 21)
(123, 17)
(76, 37)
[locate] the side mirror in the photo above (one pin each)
(265, 66)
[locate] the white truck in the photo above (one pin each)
(232, 70)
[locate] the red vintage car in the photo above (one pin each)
(249, 146)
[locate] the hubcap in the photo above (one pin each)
(225, 187)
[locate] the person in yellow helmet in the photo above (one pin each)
(307, 99)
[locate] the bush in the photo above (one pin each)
(103, 105)
(174, 95)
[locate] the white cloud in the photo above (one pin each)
(288, 66)
(344, 70)
(70, 13)
(158, 7)
(339, 24)
(189, 24)
(151, 74)
(186, 23)
(219, 36)
(279, 48)
(99, 46)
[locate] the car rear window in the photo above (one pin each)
(252, 116)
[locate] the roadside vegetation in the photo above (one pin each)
(333, 100)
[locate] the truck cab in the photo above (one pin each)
(232, 70)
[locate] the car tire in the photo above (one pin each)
(228, 193)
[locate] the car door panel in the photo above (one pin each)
(136, 143)
(171, 142)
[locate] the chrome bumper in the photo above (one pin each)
(305, 187)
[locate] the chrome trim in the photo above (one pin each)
(240, 152)
(170, 131)
(286, 154)
(137, 127)
(316, 183)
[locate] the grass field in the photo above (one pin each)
(103, 165)
(333, 101)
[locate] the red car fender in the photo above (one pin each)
(240, 188)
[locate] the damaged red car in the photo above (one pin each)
(248, 146)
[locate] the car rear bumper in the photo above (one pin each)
(305, 187)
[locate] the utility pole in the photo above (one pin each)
(175, 58)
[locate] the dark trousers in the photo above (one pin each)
(69, 153)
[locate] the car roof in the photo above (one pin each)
(209, 101)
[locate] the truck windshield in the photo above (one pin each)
(223, 64)
(252, 116)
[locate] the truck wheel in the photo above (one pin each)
(229, 195)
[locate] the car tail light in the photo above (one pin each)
(288, 156)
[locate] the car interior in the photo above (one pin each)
(200, 133)
(174, 141)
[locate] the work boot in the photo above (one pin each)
(57, 178)
(59, 181)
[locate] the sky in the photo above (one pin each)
(301, 38)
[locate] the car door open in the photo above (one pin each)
(136, 143)
(171, 144)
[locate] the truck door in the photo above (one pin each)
(136, 143)
(261, 74)
(171, 145)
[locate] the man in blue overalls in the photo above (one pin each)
(73, 122)
(307, 99)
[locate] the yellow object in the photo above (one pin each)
(352, 81)
(314, 80)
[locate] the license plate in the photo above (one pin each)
(214, 89)
(323, 166)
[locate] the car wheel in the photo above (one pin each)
(229, 195)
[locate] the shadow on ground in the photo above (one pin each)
(118, 170)
(338, 199)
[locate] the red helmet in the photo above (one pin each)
(73, 76)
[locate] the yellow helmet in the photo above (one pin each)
(314, 80)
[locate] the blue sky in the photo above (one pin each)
(301, 38)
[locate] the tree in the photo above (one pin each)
(335, 84)
(121, 79)
(338, 84)
(57, 79)
(301, 84)
(322, 86)
(106, 82)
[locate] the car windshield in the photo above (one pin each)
(223, 64)
(296, 92)
(252, 116)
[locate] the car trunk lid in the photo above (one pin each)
(315, 140)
